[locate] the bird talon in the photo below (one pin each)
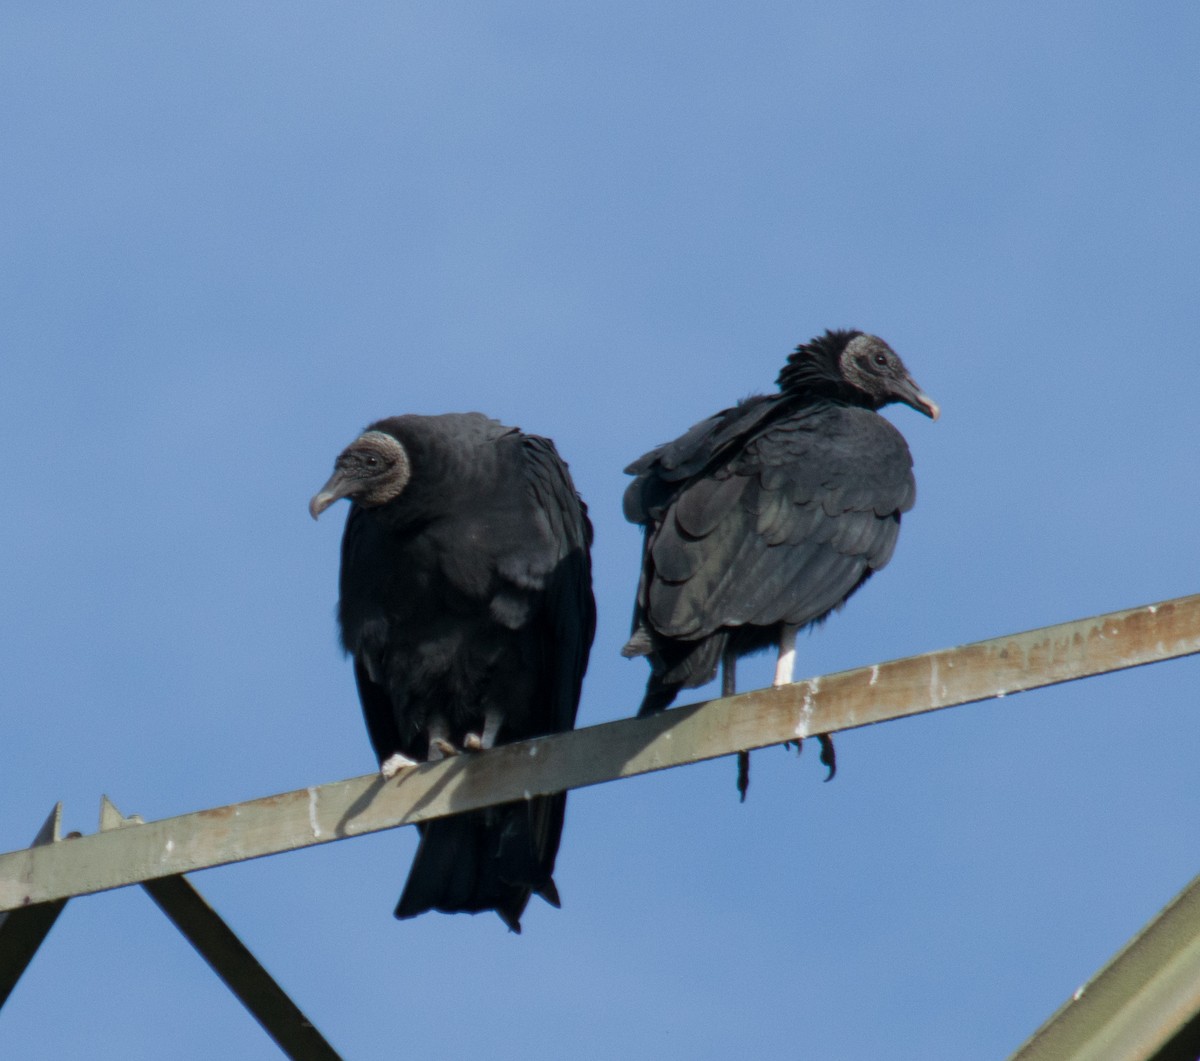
(828, 755)
(394, 763)
(443, 747)
(743, 775)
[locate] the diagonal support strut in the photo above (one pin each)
(23, 930)
(1144, 1005)
(229, 958)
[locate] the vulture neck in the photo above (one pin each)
(810, 380)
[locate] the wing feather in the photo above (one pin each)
(784, 530)
(569, 610)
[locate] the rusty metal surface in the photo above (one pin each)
(983, 670)
(1142, 1005)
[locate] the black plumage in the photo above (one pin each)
(767, 516)
(466, 604)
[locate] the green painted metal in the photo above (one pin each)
(233, 962)
(321, 814)
(1142, 1006)
(23, 930)
(230, 958)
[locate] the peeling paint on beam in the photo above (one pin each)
(877, 693)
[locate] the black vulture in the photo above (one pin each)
(466, 603)
(766, 517)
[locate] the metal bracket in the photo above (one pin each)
(229, 957)
(23, 930)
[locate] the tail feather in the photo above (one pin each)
(659, 696)
(492, 859)
(680, 665)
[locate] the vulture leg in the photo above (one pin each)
(785, 665)
(728, 688)
(439, 740)
(486, 738)
(787, 655)
(728, 673)
(394, 763)
(783, 676)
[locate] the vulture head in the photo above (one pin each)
(863, 365)
(371, 471)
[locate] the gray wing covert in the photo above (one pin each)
(784, 531)
(663, 472)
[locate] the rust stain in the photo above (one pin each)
(877, 693)
(215, 814)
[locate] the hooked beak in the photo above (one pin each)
(911, 395)
(337, 488)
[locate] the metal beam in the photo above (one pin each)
(979, 671)
(1142, 1005)
(22, 931)
(230, 959)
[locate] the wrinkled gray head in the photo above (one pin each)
(868, 364)
(856, 367)
(371, 471)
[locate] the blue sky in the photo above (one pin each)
(234, 235)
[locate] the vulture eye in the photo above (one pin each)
(881, 360)
(372, 460)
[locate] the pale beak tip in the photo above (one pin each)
(319, 504)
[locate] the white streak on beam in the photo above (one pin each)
(691, 733)
(313, 824)
(804, 724)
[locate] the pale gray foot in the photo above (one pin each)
(393, 764)
(486, 738)
(439, 741)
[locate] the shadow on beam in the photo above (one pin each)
(984, 670)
